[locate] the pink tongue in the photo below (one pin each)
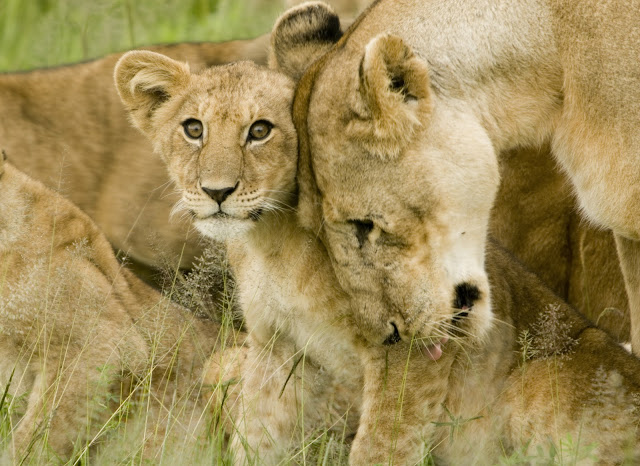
(433, 352)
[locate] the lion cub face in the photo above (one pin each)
(226, 135)
(400, 188)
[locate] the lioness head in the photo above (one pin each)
(398, 185)
(226, 134)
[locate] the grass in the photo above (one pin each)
(40, 33)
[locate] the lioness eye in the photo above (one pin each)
(363, 228)
(259, 130)
(193, 128)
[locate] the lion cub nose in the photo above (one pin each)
(219, 195)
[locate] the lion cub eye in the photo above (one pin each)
(259, 130)
(193, 128)
(363, 228)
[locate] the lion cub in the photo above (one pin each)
(228, 139)
(78, 332)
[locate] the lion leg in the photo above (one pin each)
(584, 403)
(629, 254)
(597, 140)
(33, 423)
(281, 394)
(66, 405)
(51, 416)
(222, 384)
(403, 394)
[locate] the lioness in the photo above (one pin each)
(77, 330)
(221, 133)
(405, 225)
(416, 89)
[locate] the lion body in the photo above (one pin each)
(302, 373)
(299, 369)
(78, 330)
(535, 218)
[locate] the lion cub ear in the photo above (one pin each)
(301, 35)
(394, 97)
(145, 80)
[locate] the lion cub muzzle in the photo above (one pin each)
(431, 350)
(219, 195)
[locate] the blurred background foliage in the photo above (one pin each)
(40, 33)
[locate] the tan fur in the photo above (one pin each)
(346, 8)
(536, 219)
(299, 370)
(78, 331)
(66, 127)
(497, 81)
(308, 16)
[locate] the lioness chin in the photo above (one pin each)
(79, 334)
(426, 95)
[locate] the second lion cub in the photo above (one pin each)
(81, 336)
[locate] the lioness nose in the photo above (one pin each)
(466, 295)
(219, 195)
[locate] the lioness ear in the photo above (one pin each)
(301, 35)
(145, 80)
(394, 97)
